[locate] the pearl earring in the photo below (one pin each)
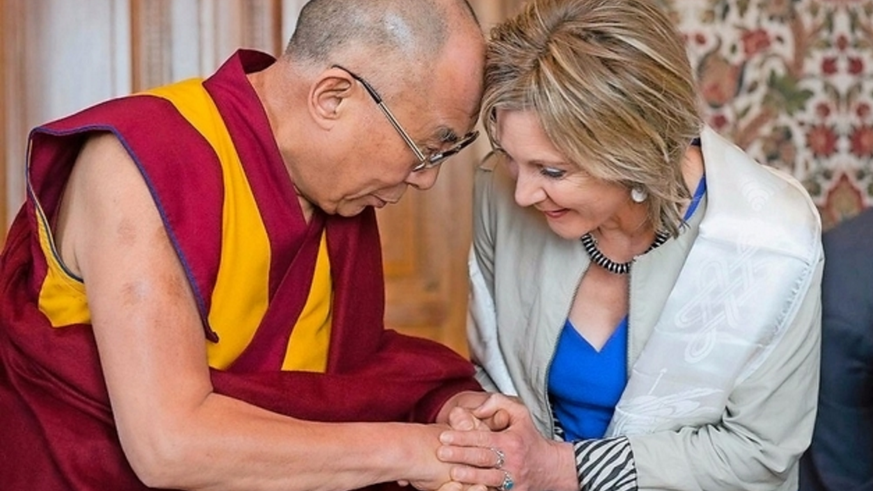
(639, 195)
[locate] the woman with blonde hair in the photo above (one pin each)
(649, 293)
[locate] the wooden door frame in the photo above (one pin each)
(4, 192)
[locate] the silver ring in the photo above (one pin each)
(501, 459)
(508, 483)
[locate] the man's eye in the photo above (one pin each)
(431, 151)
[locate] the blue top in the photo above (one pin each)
(586, 384)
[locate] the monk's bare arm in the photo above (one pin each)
(174, 430)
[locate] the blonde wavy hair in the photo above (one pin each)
(613, 89)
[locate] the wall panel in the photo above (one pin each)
(13, 108)
(179, 39)
(4, 60)
(61, 57)
(426, 238)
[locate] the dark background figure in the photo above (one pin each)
(841, 454)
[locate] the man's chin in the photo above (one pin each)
(354, 207)
(349, 210)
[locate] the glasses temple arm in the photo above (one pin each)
(401, 131)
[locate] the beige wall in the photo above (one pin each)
(59, 56)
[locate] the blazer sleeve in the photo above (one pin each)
(482, 334)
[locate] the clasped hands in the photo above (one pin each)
(492, 443)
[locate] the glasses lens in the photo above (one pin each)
(440, 157)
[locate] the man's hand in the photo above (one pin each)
(457, 412)
(527, 459)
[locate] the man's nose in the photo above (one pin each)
(423, 179)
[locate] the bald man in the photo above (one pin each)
(192, 296)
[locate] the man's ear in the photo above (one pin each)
(328, 96)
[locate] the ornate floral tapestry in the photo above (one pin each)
(791, 82)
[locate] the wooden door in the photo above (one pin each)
(426, 238)
(4, 31)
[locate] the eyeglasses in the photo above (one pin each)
(425, 161)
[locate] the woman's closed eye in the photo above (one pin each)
(551, 172)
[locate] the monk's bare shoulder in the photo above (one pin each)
(103, 185)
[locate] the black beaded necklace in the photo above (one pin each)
(590, 245)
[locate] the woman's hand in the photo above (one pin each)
(515, 457)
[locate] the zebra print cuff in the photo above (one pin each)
(605, 465)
